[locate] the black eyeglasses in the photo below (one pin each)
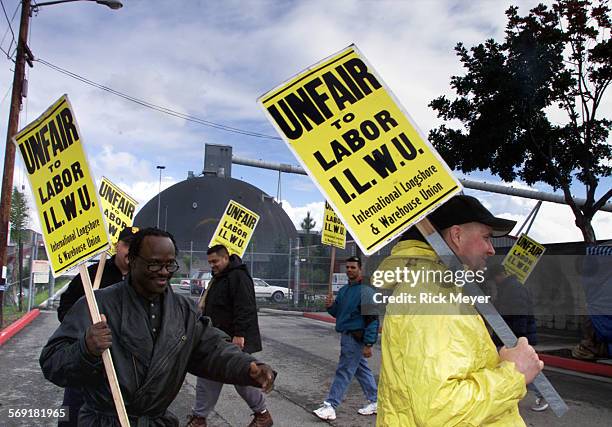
(154, 267)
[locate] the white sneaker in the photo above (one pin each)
(369, 409)
(540, 405)
(326, 412)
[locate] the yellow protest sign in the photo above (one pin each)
(68, 207)
(235, 228)
(333, 232)
(118, 208)
(523, 257)
(360, 147)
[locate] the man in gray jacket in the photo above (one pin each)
(156, 336)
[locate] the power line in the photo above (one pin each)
(7, 54)
(156, 107)
(9, 24)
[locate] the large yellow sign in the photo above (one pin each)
(63, 187)
(235, 228)
(360, 147)
(523, 257)
(118, 208)
(333, 233)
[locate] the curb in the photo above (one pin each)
(18, 325)
(592, 368)
(281, 312)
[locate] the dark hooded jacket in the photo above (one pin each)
(230, 303)
(150, 374)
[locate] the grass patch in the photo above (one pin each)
(11, 312)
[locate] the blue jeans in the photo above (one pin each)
(533, 388)
(351, 364)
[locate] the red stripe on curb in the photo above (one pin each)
(17, 325)
(321, 317)
(577, 365)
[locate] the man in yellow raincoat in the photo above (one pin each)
(440, 367)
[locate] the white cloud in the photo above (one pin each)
(554, 222)
(298, 213)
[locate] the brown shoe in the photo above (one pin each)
(261, 419)
(195, 421)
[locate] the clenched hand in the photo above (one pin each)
(98, 338)
(525, 359)
(263, 375)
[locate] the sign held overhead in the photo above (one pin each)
(235, 229)
(118, 208)
(357, 143)
(333, 233)
(68, 208)
(523, 257)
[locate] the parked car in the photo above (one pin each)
(265, 290)
(185, 285)
(199, 281)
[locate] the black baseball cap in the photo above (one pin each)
(462, 209)
(127, 234)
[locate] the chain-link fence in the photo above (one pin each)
(302, 268)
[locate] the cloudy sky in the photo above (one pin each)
(213, 59)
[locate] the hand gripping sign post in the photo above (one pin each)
(369, 160)
(360, 147)
(523, 257)
(68, 208)
(334, 235)
(235, 229)
(118, 209)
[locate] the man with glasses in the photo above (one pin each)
(229, 301)
(115, 270)
(157, 337)
(359, 334)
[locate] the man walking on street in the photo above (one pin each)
(115, 270)
(359, 334)
(156, 336)
(229, 301)
(439, 365)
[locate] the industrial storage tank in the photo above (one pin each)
(191, 210)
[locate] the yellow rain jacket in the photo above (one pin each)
(440, 370)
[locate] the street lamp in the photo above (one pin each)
(113, 4)
(159, 193)
(23, 55)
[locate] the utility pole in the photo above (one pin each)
(23, 55)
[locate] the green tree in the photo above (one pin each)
(19, 218)
(530, 106)
(19, 215)
(308, 223)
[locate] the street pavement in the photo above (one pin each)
(303, 351)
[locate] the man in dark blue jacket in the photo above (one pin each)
(359, 334)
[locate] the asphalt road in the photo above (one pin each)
(303, 351)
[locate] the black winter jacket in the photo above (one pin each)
(230, 303)
(150, 376)
(110, 276)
